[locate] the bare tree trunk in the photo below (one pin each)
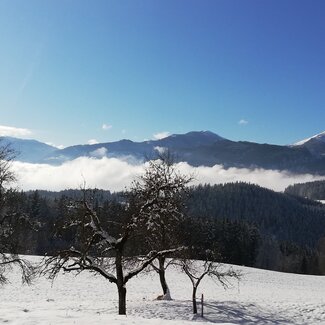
(122, 300)
(194, 300)
(120, 283)
(162, 276)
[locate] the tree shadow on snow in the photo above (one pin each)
(241, 313)
(214, 312)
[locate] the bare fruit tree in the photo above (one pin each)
(164, 187)
(10, 220)
(196, 270)
(98, 248)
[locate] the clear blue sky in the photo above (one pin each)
(143, 67)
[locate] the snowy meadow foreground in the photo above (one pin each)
(261, 297)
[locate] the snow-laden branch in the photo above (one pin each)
(150, 258)
(73, 260)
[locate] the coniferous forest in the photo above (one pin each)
(311, 190)
(246, 224)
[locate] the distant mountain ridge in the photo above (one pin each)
(28, 150)
(197, 148)
(314, 144)
(136, 151)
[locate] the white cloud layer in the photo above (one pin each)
(115, 175)
(161, 135)
(11, 131)
(99, 153)
(105, 173)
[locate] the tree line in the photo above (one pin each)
(311, 190)
(247, 224)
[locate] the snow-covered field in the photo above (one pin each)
(261, 297)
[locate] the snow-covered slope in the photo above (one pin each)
(261, 297)
(320, 137)
(315, 145)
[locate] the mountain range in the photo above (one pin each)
(197, 148)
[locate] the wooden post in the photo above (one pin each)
(202, 301)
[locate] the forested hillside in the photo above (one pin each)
(282, 216)
(312, 190)
(246, 224)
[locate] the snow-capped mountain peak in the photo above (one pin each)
(319, 136)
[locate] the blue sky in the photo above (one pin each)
(248, 70)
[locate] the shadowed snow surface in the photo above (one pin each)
(261, 297)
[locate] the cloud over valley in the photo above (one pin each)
(116, 174)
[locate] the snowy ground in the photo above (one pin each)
(261, 297)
